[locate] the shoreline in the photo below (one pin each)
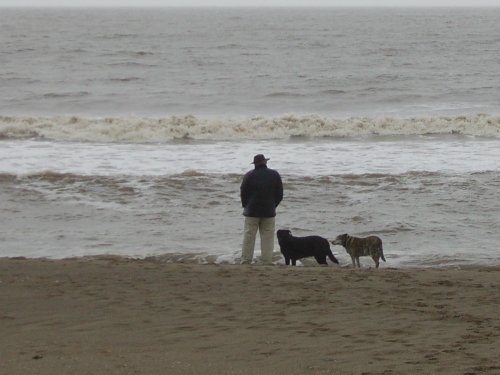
(206, 259)
(114, 315)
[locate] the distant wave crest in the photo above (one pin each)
(165, 129)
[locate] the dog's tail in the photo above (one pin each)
(382, 253)
(332, 257)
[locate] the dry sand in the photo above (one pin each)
(120, 316)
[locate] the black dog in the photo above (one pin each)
(294, 248)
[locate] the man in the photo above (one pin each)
(261, 192)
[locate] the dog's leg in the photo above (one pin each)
(287, 261)
(375, 259)
(294, 261)
(353, 261)
(357, 261)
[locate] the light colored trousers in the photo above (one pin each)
(265, 226)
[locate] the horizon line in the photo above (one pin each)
(249, 6)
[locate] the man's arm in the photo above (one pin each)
(278, 195)
(244, 191)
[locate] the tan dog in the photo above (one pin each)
(357, 247)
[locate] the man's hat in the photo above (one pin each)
(259, 159)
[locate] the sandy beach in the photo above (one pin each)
(112, 315)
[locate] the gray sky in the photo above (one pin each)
(454, 3)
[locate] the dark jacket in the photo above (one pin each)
(261, 192)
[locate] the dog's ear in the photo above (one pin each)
(341, 237)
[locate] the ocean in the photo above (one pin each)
(127, 131)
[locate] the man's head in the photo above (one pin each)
(259, 159)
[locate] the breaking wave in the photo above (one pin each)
(165, 129)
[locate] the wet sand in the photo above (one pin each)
(111, 315)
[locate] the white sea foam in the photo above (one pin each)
(165, 129)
